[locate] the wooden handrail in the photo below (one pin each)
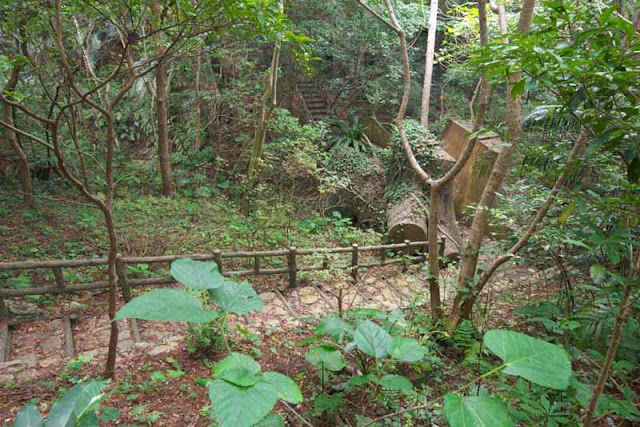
(291, 268)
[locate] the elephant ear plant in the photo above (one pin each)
(185, 305)
(240, 393)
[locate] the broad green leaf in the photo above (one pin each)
(76, 402)
(335, 327)
(598, 273)
(325, 356)
(236, 297)
(324, 403)
(361, 380)
(407, 349)
(518, 88)
(476, 411)
(197, 274)
(271, 420)
(535, 360)
(29, 416)
(372, 339)
(236, 406)
(110, 413)
(168, 305)
(396, 382)
(285, 387)
(238, 369)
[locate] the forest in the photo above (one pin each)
(319, 213)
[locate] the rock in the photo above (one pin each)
(125, 345)
(6, 378)
(19, 365)
(24, 311)
(160, 349)
(51, 344)
(76, 304)
(51, 361)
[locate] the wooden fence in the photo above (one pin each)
(292, 255)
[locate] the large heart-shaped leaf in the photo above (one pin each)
(197, 274)
(284, 387)
(271, 420)
(75, 403)
(335, 327)
(29, 416)
(170, 305)
(476, 411)
(372, 339)
(238, 369)
(236, 406)
(236, 297)
(396, 382)
(532, 359)
(407, 349)
(325, 356)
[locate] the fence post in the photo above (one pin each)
(256, 265)
(405, 264)
(354, 262)
(291, 261)
(217, 257)
(57, 273)
(121, 272)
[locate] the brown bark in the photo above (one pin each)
(24, 169)
(621, 318)
(164, 152)
(498, 174)
(428, 63)
(197, 120)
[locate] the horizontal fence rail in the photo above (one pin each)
(291, 269)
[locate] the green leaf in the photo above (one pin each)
(535, 360)
(518, 88)
(169, 305)
(197, 274)
(325, 356)
(238, 369)
(271, 420)
(236, 406)
(598, 273)
(284, 386)
(238, 298)
(407, 349)
(158, 376)
(324, 403)
(75, 403)
(335, 327)
(396, 382)
(476, 411)
(29, 416)
(110, 413)
(372, 339)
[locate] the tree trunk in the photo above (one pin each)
(164, 152)
(407, 219)
(428, 63)
(24, 169)
(197, 119)
(498, 174)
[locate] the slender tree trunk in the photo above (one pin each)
(428, 63)
(498, 174)
(269, 102)
(621, 318)
(164, 153)
(197, 119)
(24, 169)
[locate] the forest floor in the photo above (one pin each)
(158, 376)
(145, 391)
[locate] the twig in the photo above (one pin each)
(304, 421)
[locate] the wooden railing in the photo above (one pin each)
(381, 254)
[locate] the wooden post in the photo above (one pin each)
(5, 342)
(217, 257)
(383, 256)
(325, 263)
(354, 263)
(405, 264)
(291, 261)
(256, 265)
(69, 346)
(123, 281)
(57, 273)
(121, 271)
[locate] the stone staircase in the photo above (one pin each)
(314, 99)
